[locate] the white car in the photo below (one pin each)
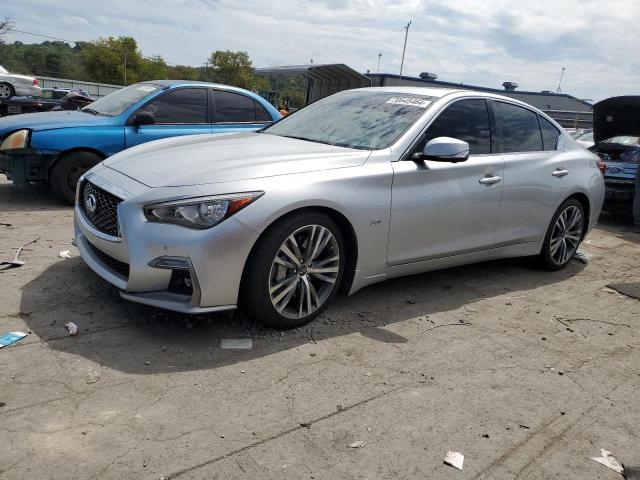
(19, 85)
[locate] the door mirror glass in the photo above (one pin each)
(445, 149)
(144, 118)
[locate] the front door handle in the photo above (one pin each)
(560, 172)
(490, 179)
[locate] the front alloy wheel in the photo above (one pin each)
(294, 270)
(304, 271)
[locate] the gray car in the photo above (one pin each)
(359, 187)
(19, 85)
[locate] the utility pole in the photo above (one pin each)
(406, 34)
(125, 65)
(379, 58)
(560, 82)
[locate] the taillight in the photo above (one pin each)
(601, 166)
(36, 82)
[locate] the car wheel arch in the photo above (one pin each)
(346, 229)
(586, 207)
(55, 159)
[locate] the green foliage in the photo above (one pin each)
(103, 60)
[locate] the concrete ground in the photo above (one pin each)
(527, 373)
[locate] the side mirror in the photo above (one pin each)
(444, 149)
(144, 118)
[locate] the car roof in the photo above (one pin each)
(439, 92)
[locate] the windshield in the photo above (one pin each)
(362, 119)
(3, 71)
(623, 140)
(117, 102)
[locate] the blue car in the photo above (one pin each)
(59, 147)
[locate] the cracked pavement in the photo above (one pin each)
(527, 373)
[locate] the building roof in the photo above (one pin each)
(546, 101)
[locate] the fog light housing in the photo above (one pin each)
(170, 263)
(181, 282)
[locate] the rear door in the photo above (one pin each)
(535, 177)
(441, 209)
(234, 112)
(180, 111)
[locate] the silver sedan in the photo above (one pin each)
(356, 188)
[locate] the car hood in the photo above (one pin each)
(616, 116)
(203, 159)
(51, 120)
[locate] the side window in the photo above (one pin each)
(233, 107)
(519, 128)
(550, 134)
(261, 113)
(184, 105)
(466, 120)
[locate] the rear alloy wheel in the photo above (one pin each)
(68, 170)
(6, 91)
(564, 235)
(294, 271)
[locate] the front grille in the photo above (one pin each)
(115, 265)
(100, 207)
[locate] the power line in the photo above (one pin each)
(76, 41)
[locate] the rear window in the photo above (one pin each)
(550, 134)
(519, 128)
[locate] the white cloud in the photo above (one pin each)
(464, 40)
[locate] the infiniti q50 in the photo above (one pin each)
(356, 188)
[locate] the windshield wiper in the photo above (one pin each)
(91, 110)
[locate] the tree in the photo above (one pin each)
(6, 26)
(232, 68)
(112, 60)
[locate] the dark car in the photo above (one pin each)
(50, 99)
(616, 129)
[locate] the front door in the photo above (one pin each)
(181, 111)
(441, 209)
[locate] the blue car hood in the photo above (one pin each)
(51, 120)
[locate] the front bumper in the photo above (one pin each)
(215, 257)
(25, 165)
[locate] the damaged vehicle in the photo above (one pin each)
(616, 124)
(58, 147)
(355, 188)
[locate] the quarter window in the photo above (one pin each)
(519, 128)
(233, 107)
(550, 134)
(466, 120)
(184, 105)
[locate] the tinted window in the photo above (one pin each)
(519, 128)
(550, 134)
(232, 107)
(185, 105)
(466, 120)
(261, 113)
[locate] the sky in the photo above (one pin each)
(481, 43)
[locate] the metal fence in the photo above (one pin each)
(94, 89)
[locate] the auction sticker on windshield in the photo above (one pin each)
(412, 102)
(146, 88)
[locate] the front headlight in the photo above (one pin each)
(201, 212)
(19, 139)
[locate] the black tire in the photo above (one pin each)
(66, 172)
(546, 258)
(12, 91)
(254, 299)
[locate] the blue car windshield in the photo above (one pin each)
(117, 102)
(361, 119)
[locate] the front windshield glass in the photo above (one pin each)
(3, 71)
(362, 119)
(623, 140)
(117, 102)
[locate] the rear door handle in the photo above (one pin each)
(560, 172)
(490, 179)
